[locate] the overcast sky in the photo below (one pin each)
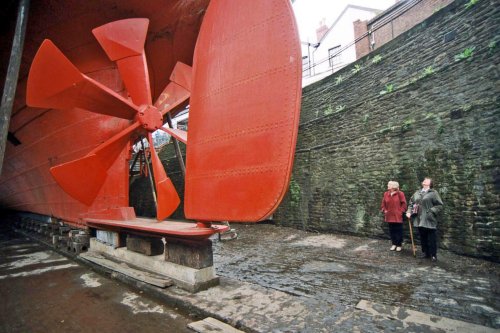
(309, 13)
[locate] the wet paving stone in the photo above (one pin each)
(344, 269)
(43, 291)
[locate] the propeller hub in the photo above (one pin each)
(149, 117)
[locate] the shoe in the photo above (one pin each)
(393, 247)
(424, 256)
(434, 259)
(398, 249)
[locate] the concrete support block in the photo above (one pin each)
(149, 246)
(187, 278)
(228, 235)
(77, 247)
(190, 253)
(111, 238)
(54, 229)
(79, 242)
(61, 241)
(63, 230)
(43, 229)
(82, 237)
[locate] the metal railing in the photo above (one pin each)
(309, 71)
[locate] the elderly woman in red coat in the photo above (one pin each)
(393, 206)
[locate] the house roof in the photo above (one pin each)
(368, 9)
(388, 11)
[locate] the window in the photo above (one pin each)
(306, 71)
(333, 57)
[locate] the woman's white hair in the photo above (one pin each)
(393, 184)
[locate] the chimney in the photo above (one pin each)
(363, 44)
(322, 30)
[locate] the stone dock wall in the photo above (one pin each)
(416, 107)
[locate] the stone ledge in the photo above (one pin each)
(187, 278)
(419, 318)
(123, 268)
(211, 325)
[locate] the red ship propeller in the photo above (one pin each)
(123, 42)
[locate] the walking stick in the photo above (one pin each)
(411, 236)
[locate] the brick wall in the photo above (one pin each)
(363, 45)
(399, 24)
(441, 120)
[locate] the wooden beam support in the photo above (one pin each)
(9, 90)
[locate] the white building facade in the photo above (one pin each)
(335, 47)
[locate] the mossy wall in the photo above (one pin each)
(418, 106)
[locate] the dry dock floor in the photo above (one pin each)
(277, 279)
(43, 291)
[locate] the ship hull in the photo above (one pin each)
(68, 157)
(48, 137)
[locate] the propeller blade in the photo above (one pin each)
(110, 149)
(83, 178)
(182, 75)
(177, 91)
(123, 41)
(167, 198)
(54, 82)
(176, 133)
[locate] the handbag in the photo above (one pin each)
(414, 209)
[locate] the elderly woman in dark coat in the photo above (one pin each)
(424, 208)
(393, 206)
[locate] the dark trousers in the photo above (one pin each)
(428, 240)
(396, 231)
